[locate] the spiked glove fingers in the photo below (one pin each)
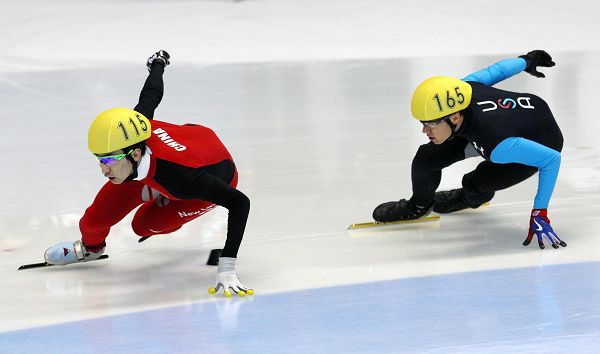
(539, 225)
(227, 279)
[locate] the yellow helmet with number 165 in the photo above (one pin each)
(116, 129)
(440, 96)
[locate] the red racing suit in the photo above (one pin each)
(185, 171)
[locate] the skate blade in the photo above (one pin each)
(379, 224)
(44, 264)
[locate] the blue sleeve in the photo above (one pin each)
(530, 153)
(495, 73)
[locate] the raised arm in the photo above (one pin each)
(153, 89)
(497, 72)
(506, 68)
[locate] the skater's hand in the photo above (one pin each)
(230, 283)
(161, 57)
(537, 58)
(539, 225)
(227, 279)
(71, 252)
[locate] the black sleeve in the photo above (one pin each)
(190, 183)
(152, 92)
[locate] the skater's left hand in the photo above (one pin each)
(537, 58)
(227, 278)
(539, 225)
(161, 57)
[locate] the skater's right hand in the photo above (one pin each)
(71, 252)
(539, 225)
(227, 279)
(161, 57)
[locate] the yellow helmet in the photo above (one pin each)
(440, 96)
(116, 129)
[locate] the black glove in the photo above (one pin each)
(537, 58)
(161, 57)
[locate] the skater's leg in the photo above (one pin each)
(112, 203)
(480, 185)
(154, 218)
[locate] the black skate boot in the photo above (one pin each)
(400, 210)
(451, 201)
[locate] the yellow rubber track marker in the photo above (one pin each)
(378, 224)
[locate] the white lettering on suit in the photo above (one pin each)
(522, 101)
(526, 99)
(164, 136)
(494, 106)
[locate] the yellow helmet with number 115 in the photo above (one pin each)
(116, 129)
(440, 96)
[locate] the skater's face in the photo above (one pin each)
(439, 132)
(116, 167)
